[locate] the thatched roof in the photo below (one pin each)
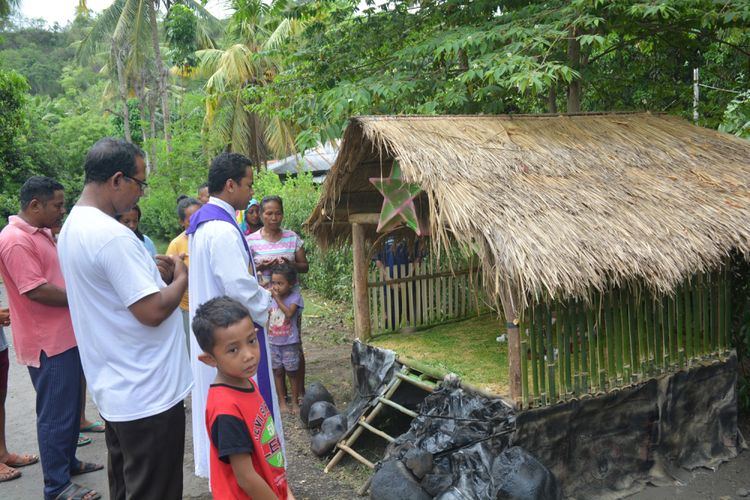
(556, 205)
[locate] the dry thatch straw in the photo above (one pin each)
(557, 206)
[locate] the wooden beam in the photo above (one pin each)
(359, 282)
(364, 218)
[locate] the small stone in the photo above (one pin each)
(743, 492)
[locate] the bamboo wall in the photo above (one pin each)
(622, 337)
(421, 294)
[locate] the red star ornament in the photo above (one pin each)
(398, 201)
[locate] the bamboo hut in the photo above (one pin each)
(602, 238)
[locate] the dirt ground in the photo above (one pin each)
(327, 337)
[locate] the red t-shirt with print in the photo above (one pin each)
(238, 421)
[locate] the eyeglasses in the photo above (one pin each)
(141, 184)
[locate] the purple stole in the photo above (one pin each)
(209, 212)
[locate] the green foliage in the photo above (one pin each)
(13, 125)
(455, 57)
(179, 172)
(181, 27)
(737, 116)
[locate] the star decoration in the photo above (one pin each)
(398, 201)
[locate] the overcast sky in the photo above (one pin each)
(62, 11)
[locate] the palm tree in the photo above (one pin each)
(254, 28)
(7, 7)
(133, 24)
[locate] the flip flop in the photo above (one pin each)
(16, 460)
(85, 468)
(8, 473)
(97, 426)
(83, 440)
(77, 492)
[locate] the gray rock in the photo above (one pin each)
(419, 462)
(393, 481)
(313, 393)
(743, 492)
(331, 431)
(319, 412)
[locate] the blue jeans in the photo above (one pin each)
(57, 382)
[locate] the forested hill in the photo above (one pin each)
(39, 53)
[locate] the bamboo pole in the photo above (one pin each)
(609, 335)
(541, 365)
(635, 367)
(622, 306)
(359, 283)
(648, 307)
(582, 337)
(689, 334)
(533, 335)
(573, 338)
(550, 356)
(640, 321)
(671, 314)
(680, 312)
(593, 368)
(524, 344)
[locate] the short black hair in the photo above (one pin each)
(204, 185)
(185, 203)
(138, 233)
(288, 271)
(109, 156)
(39, 188)
(224, 167)
(269, 199)
(219, 312)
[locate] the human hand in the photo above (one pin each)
(4, 316)
(180, 269)
(166, 266)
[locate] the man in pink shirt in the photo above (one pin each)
(43, 332)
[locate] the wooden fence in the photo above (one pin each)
(421, 294)
(621, 337)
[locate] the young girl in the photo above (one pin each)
(284, 335)
(131, 219)
(251, 218)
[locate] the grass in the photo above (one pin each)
(467, 348)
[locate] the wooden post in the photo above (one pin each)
(359, 282)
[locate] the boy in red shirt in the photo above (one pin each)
(246, 457)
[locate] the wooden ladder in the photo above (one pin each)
(406, 374)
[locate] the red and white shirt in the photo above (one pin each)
(238, 421)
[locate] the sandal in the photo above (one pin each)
(77, 492)
(97, 426)
(16, 460)
(85, 468)
(8, 473)
(83, 440)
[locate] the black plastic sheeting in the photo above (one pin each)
(609, 446)
(458, 448)
(372, 369)
(463, 445)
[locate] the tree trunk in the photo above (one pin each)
(552, 99)
(140, 94)
(152, 127)
(574, 61)
(161, 72)
(122, 87)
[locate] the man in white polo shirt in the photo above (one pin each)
(128, 327)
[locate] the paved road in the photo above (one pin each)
(21, 435)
